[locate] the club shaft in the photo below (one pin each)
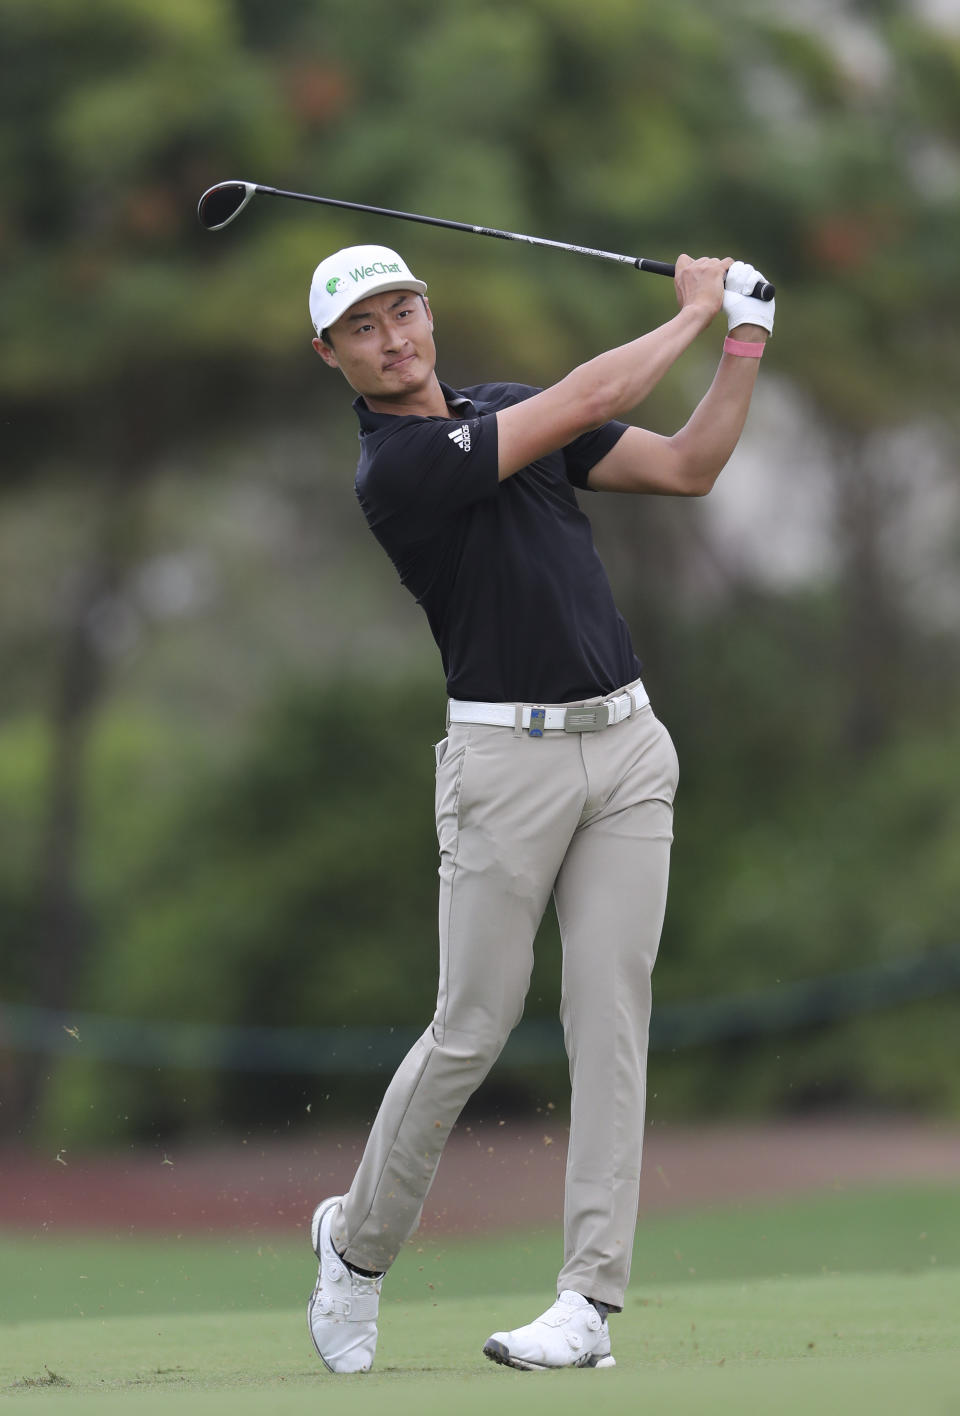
(639, 262)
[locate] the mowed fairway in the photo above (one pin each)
(846, 1302)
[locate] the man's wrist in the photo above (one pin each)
(696, 316)
(750, 334)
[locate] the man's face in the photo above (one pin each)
(383, 345)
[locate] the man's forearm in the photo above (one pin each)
(708, 438)
(617, 380)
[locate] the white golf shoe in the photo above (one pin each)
(342, 1311)
(570, 1334)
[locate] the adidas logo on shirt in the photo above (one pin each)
(461, 436)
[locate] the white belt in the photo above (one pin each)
(587, 718)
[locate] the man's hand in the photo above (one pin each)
(739, 305)
(699, 284)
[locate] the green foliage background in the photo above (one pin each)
(217, 709)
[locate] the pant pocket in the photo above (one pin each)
(447, 797)
(672, 758)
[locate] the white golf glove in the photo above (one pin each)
(739, 305)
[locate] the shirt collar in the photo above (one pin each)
(369, 421)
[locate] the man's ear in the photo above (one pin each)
(426, 306)
(326, 351)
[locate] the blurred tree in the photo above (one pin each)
(102, 327)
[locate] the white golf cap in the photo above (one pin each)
(350, 275)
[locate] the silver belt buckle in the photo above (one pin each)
(586, 720)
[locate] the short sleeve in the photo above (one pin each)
(583, 454)
(430, 469)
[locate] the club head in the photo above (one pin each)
(223, 203)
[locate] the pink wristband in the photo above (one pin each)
(741, 347)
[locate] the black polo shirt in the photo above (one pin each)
(514, 591)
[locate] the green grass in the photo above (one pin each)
(781, 1340)
(908, 1230)
(845, 1302)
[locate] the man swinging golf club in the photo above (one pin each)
(554, 776)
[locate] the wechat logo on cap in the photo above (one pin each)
(333, 284)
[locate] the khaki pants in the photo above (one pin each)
(588, 816)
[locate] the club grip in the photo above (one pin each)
(763, 290)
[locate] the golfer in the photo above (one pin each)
(554, 775)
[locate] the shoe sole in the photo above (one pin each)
(315, 1222)
(498, 1352)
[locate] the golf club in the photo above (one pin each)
(223, 203)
